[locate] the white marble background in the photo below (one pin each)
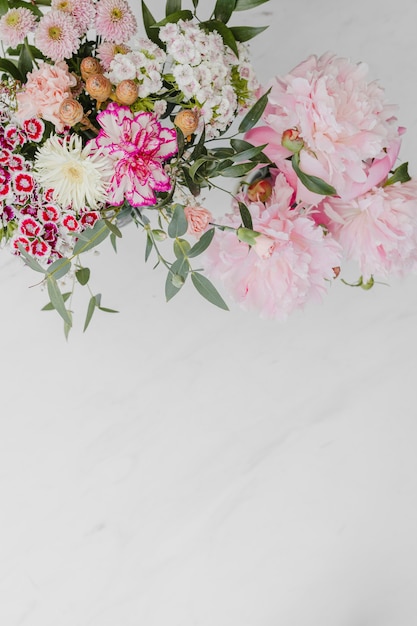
(182, 466)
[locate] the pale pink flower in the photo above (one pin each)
(107, 50)
(138, 145)
(83, 12)
(198, 219)
(378, 229)
(15, 25)
(342, 119)
(291, 265)
(57, 35)
(43, 93)
(115, 20)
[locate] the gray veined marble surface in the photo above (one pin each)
(182, 466)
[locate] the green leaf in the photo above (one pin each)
(91, 237)
(191, 184)
(83, 275)
(178, 224)
(50, 306)
(236, 171)
(148, 22)
(246, 216)
(174, 17)
(181, 248)
(113, 241)
(195, 3)
(225, 33)
(59, 268)
(254, 114)
(149, 246)
(312, 183)
(208, 290)
(172, 6)
(399, 175)
(202, 244)
(4, 7)
(180, 142)
(90, 310)
(223, 10)
(10, 68)
(250, 153)
(27, 5)
(67, 327)
(30, 261)
(57, 299)
(25, 63)
(178, 270)
(245, 33)
(200, 148)
(196, 166)
(107, 310)
(113, 228)
(244, 5)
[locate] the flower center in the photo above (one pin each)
(116, 14)
(64, 6)
(55, 33)
(12, 19)
(74, 174)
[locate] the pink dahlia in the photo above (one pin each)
(45, 89)
(15, 25)
(137, 145)
(341, 120)
(290, 262)
(378, 229)
(57, 35)
(115, 20)
(108, 50)
(83, 12)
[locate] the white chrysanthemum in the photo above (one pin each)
(77, 177)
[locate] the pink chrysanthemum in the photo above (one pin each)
(115, 20)
(83, 12)
(108, 50)
(138, 145)
(342, 120)
(378, 229)
(290, 263)
(57, 36)
(15, 25)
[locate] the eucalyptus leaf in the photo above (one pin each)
(10, 68)
(178, 224)
(244, 5)
(50, 306)
(236, 171)
(225, 33)
(202, 244)
(107, 310)
(113, 228)
(172, 6)
(181, 248)
(149, 246)
(254, 114)
(245, 215)
(178, 269)
(223, 10)
(113, 241)
(59, 268)
(208, 290)
(57, 299)
(30, 261)
(91, 237)
(245, 33)
(90, 310)
(67, 327)
(312, 183)
(83, 275)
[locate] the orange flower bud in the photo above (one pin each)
(99, 87)
(127, 92)
(90, 66)
(70, 112)
(336, 271)
(187, 121)
(260, 190)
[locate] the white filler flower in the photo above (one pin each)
(77, 177)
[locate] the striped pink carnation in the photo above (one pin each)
(57, 36)
(115, 20)
(290, 263)
(15, 25)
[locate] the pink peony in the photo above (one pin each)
(290, 262)
(115, 20)
(378, 229)
(341, 119)
(57, 35)
(138, 145)
(198, 219)
(43, 93)
(15, 25)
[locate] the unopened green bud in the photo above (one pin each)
(247, 235)
(291, 140)
(177, 280)
(159, 235)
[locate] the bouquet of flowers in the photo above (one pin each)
(102, 124)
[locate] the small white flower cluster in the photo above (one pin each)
(209, 74)
(144, 63)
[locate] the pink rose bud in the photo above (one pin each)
(198, 219)
(291, 140)
(259, 190)
(264, 246)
